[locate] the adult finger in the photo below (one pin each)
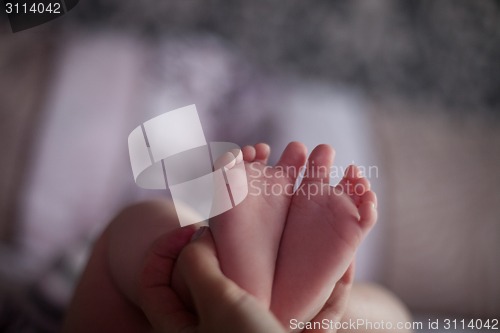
(220, 303)
(334, 307)
(160, 303)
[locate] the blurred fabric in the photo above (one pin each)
(444, 51)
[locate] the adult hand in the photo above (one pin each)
(334, 308)
(220, 305)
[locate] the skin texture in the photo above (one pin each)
(143, 242)
(324, 228)
(248, 236)
(235, 310)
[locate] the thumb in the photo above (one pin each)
(207, 284)
(220, 302)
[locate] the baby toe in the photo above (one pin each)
(319, 164)
(353, 184)
(352, 172)
(360, 186)
(248, 153)
(262, 151)
(293, 159)
(368, 209)
(370, 196)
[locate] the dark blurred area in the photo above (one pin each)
(444, 51)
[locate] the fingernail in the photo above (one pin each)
(198, 233)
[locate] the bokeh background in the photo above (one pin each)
(410, 87)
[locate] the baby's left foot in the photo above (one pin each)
(247, 237)
(325, 226)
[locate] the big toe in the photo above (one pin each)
(319, 164)
(293, 159)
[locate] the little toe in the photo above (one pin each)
(370, 196)
(319, 163)
(346, 183)
(353, 172)
(367, 210)
(293, 159)
(262, 151)
(359, 188)
(361, 185)
(353, 184)
(248, 153)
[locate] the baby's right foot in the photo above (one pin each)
(324, 228)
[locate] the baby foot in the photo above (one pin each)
(247, 237)
(324, 228)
